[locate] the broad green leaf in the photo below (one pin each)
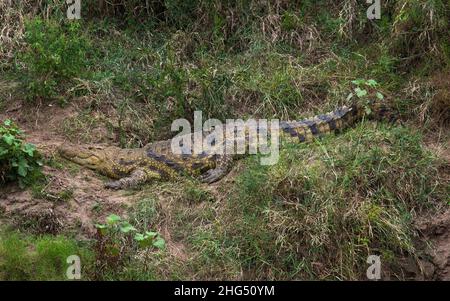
(126, 227)
(139, 237)
(7, 122)
(159, 243)
(360, 92)
(22, 171)
(29, 149)
(22, 168)
(8, 138)
(151, 234)
(358, 82)
(148, 239)
(380, 96)
(113, 219)
(102, 229)
(144, 241)
(3, 151)
(372, 83)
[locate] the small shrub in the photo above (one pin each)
(365, 91)
(116, 228)
(55, 54)
(18, 160)
(118, 240)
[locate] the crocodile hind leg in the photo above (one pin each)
(223, 166)
(381, 112)
(136, 178)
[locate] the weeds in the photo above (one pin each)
(18, 160)
(146, 213)
(117, 240)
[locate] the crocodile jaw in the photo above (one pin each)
(91, 157)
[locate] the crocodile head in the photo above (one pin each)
(94, 157)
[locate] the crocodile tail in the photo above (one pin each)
(306, 130)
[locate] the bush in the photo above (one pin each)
(18, 160)
(55, 54)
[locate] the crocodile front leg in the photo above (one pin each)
(136, 178)
(223, 166)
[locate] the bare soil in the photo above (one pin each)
(435, 231)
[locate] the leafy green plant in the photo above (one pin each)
(18, 160)
(148, 239)
(364, 90)
(115, 229)
(118, 241)
(55, 54)
(362, 87)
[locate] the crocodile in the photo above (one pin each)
(155, 161)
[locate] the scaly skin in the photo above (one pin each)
(155, 161)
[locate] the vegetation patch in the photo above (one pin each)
(18, 160)
(24, 257)
(55, 54)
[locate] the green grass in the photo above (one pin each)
(25, 257)
(146, 214)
